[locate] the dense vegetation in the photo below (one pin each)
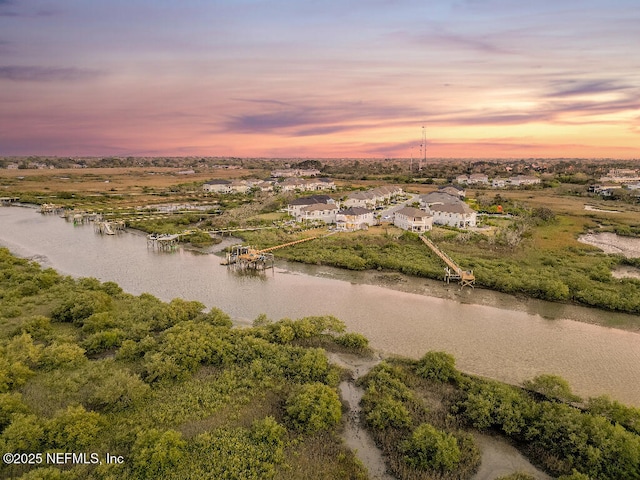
(177, 392)
(174, 390)
(418, 412)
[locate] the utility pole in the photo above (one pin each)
(423, 148)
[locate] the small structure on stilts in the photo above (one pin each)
(109, 228)
(47, 208)
(163, 241)
(466, 278)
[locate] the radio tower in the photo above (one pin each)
(423, 149)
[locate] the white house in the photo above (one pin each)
(239, 186)
(354, 218)
(520, 180)
(458, 215)
(361, 199)
(295, 206)
(325, 212)
(217, 186)
(478, 178)
(413, 220)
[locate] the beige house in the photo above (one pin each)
(520, 180)
(361, 200)
(354, 218)
(325, 212)
(413, 220)
(373, 197)
(295, 206)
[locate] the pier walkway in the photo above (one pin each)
(452, 271)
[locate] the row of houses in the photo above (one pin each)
(287, 185)
(482, 179)
(373, 197)
(436, 208)
(295, 172)
(622, 175)
(325, 209)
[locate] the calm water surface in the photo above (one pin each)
(497, 338)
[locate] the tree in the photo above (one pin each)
(74, 429)
(430, 448)
(553, 387)
(155, 452)
(24, 434)
(438, 366)
(314, 407)
(387, 412)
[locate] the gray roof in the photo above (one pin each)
(413, 212)
(355, 211)
(311, 200)
(457, 208)
(439, 197)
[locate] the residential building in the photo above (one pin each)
(354, 218)
(499, 182)
(373, 197)
(361, 199)
(217, 186)
(453, 190)
(438, 198)
(520, 180)
(306, 185)
(458, 215)
(294, 207)
(295, 172)
(325, 212)
(413, 220)
(478, 179)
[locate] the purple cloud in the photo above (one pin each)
(19, 73)
(571, 88)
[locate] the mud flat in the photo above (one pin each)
(626, 272)
(612, 243)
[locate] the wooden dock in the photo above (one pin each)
(246, 257)
(452, 270)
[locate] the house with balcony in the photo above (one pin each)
(354, 218)
(324, 212)
(413, 220)
(295, 206)
(458, 215)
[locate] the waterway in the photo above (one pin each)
(490, 334)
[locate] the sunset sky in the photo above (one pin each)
(332, 78)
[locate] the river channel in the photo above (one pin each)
(490, 334)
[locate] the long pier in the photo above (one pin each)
(246, 257)
(452, 271)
